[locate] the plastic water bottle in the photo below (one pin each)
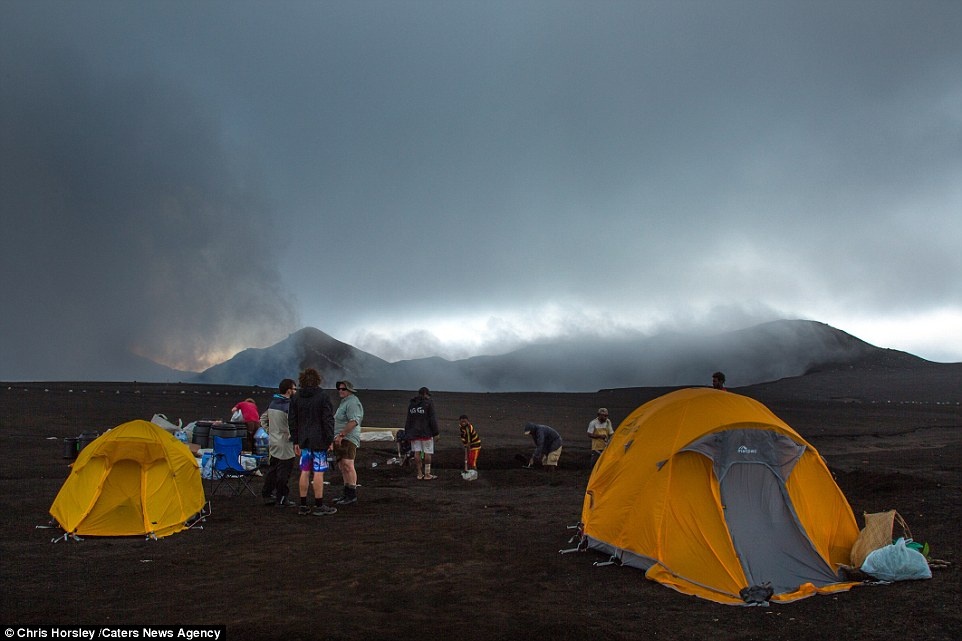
(261, 441)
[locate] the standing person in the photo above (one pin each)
(718, 380)
(347, 438)
(599, 431)
(547, 445)
(311, 418)
(251, 418)
(280, 446)
(420, 428)
(472, 447)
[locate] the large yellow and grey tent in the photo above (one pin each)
(713, 495)
(134, 479)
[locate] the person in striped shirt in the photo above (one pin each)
(472, 447)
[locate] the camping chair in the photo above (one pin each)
(227, 466)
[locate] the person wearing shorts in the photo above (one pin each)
(421, 428)
(313, 464)
(347, 438)
(547, 445)
(311, 420)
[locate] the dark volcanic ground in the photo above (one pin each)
(450, 559)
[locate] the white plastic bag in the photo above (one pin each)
(237, 417)
(896, 562)
(161, 421)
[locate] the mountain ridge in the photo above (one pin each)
(765, 352)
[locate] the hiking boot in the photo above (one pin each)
(350, 496)
(304, 510)
(285, 502)
(324, 510)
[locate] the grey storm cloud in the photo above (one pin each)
(186, 179)
(133, 227)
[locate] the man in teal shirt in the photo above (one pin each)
(347, 438)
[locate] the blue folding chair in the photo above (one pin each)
(227, 468)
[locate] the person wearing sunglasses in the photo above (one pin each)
(347, 438)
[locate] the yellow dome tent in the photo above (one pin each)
(713, 495)
(135, 479)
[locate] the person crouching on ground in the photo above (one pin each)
(280, 447)
(347, 438)
(420, 428)
(547, 445)
(311, 418)
(472, 447)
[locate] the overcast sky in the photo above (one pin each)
(186, 179)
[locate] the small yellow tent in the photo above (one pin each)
(713, 495)
(135, 479)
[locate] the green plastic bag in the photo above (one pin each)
(921, 548)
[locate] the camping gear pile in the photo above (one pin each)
(713, 495)
(876, 553)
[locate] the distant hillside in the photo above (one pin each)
(305, 348)
(766, 352)
(110, 364)
(883, 375)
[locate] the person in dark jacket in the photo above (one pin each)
(421, 428)
(547, 445)
(280, 446)
(311, 419)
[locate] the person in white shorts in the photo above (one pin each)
(421, 428)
